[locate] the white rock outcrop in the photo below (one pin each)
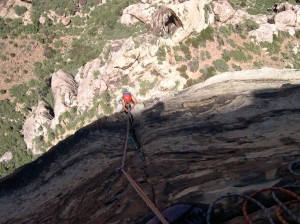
(64, 90)
(90, 84)
(285, 18)
(223, 9)
(35, 125)
(189, 16)
(137, 12)
(6, 157)
(264, 33)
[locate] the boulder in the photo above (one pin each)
(285, 18)
(65, 21)
(137, 12)
(191, 16)
(6, 157)
(239, 17)
(264, 33)
(35, 126)
(64, 90)
(223, 9)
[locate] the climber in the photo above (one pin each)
(128, 101)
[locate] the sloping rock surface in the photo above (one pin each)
(64, 90)
(34, 125)
(234, 133)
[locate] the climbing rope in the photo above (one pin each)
(248, 198)
(137, 188)
(279, 210)
(294, 165)
(282, 206)
(268, 189)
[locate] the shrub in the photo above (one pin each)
(236, 67)
(49, 52)
(186, 50)
(236, 55)
(224, 30)
(177, 57)
(146, 85)
(2, 91)
(105, 102)
(297, 34)
(273, 48)
(182, 71)
(3, 58)
(220, 65)
(20, 10)
(252, 47)
(161, 53)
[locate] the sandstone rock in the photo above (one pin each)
(285, 18)
(7, 10)
(6, 157)
(191, 14)
(285, 6)
(35, 125)
(137, 12)
(236, 132)
(298, 18)
(91, 83)
(264, 33)
(65, 20)
(64, 90)
(42, 20)
(165, 22)
(223, 9)
(238, 17)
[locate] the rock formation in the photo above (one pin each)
(7, 156)
(64, 90)
(169, 20)
(35, 126)
(223, 9)
(7, 9)
(236, 132)
(90, 84)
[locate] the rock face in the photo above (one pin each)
(137, 12)
(64, 90)
(223, 9)
(264, 33)
(236, 132)
(285, 18)
(35, 125)
(169, 20)
(90, 84)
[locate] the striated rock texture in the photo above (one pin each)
(234, 133)
(35, 125)
(64, 90)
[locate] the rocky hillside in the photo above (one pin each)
(65, 63)
(236, 132)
